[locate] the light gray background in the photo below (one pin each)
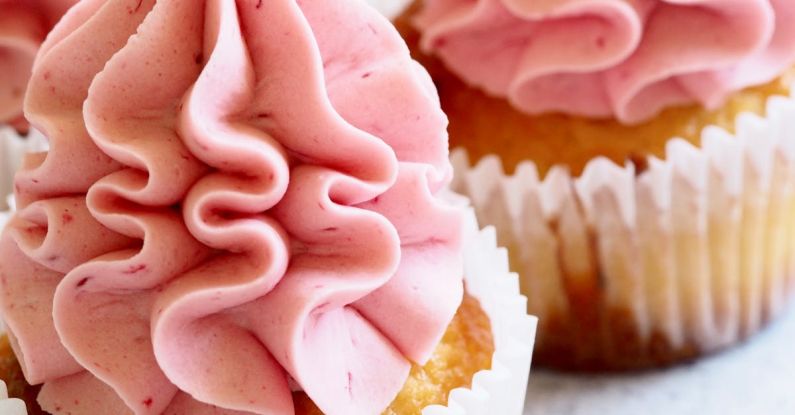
(756, 378)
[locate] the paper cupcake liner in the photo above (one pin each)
(631, 267)
(10, 406)
(13, 148)
(500, 389)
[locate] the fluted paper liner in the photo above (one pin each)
(629, 268)
(10, 406)
(500, 389)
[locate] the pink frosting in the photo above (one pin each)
(23, 26)
(611, 58)
(239, 200)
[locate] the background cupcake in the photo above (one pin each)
(24, 25)
(241, 217)
(650, 151)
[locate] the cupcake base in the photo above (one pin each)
(614, 344)
(632, 270)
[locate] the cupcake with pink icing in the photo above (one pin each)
(637, 158)
(241, 212)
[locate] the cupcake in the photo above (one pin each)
(637, 159)
(241, 212)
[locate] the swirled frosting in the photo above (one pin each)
(238, 202)
(23, 26)
(625, 59)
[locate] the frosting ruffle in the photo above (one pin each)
(239, 198)
(623, 59)
(23, 26)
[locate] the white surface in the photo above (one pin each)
(756, 378)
